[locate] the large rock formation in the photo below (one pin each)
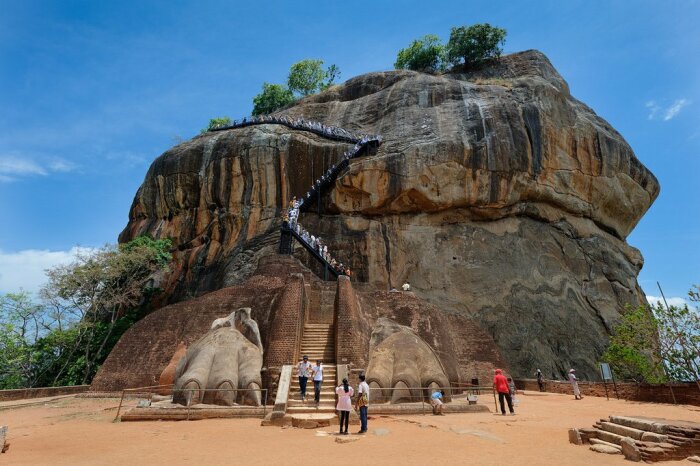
(496, 194)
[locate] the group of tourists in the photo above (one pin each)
(331, 132)
(344, 392)
(291, 216)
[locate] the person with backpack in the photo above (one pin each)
(362, 403)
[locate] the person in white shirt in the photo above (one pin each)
(344, 392)
(574, 384)
(362, 403)
(406, 287)
(303, 370)
(318, 381)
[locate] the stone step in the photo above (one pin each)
(618, 429)
(609, 437)
(596, 441)
(310, 409)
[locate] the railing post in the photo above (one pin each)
(120, 407)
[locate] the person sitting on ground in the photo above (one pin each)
(406, 287)
(436, 402)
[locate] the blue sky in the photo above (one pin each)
(91, 92)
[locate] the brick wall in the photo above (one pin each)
(25, 393)
(685, 393)
(286, 323)
(352, 329)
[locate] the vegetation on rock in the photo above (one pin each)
(473, 45)
(217, 123)
(468, 47)
(308, 77)
(658, 343)
(85, 308)
(272, 97)
(425, 54)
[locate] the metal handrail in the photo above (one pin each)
(138, 389)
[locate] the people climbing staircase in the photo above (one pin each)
(291, 227)
(318, 343)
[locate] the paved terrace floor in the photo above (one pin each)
(80, 431)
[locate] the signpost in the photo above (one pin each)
(607, 374)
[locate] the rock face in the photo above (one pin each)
(496, 194)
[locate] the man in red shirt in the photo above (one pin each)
(500, 384)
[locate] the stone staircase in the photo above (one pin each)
(317, 342)
(641, 438)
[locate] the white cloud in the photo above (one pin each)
(665, 113)
(13, 167)
(653, 109)
(673, 301)
(10, 165)
(25, 269)
(675, 108)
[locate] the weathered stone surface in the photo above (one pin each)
(575, 437)
(225, 360)
(520, 195)
(694, 459)
(610, 450)
(630, 450)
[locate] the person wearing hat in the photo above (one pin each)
(500, 384)
(574, 384)
(303, 369)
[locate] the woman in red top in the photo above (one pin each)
(500, 384)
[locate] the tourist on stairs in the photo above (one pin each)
(500, 384)
(362, 403)
(303, 370)
(344, 392)
(318, 381)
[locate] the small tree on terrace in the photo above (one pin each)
(273, 97)
(475, 44)
(424, 54)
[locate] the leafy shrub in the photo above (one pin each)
(473, 45)
(424, 54)
(308, 77)
(272, 97)
(217, 123)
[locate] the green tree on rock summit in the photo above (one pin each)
(473, 45)
(273, 97)
(424, 54)
(308, 77)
